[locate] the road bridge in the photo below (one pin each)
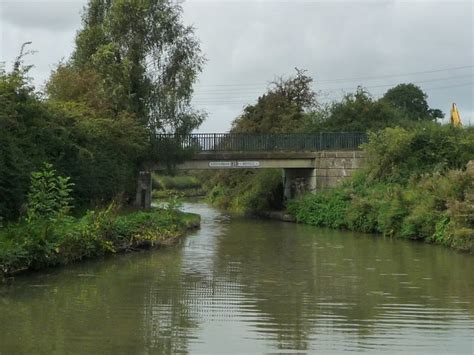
(309, 162)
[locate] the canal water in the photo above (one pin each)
(249, 286)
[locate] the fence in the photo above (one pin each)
(231, 142)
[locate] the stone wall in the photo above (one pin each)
(333, 167)
(330, 168)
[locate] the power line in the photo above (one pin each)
(349, 79)
(452, 86)
(413, 82)
(230, 94)
(405, 74)
(214, 98)
(245, 102)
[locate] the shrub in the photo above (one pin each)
(49, 195)
(397, 154)
(326, 209)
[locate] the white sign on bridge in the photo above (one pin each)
(220, 164)
(248, 164)
(234, 164)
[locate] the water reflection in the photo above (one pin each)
(323, 287)
(249, 286)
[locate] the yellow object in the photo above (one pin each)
(455, 117)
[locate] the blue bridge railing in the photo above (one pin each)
(233, 142)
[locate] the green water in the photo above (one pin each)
(249, 286)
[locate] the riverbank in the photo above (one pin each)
(435, 208)
(42, 244)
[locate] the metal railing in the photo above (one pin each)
(232, 142)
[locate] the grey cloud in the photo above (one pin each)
(251, 42)
(43, 15)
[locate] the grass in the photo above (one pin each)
(46, 243)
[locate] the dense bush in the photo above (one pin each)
(397, 154)
(422, 209)
(325, 209)
(100, 154)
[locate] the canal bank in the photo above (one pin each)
(240, 285)
(40, 244)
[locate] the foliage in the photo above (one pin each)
(411, 100)
(100, 153)
(104, 159)
(281, 109)
(356, 112)
(29, 135)
(139, 58)
(174, 203)
(325, 209)
(40, 243)
(180, 182)
(414, 202)
(245, 191)
(396, 154)
(404, 105)
(49, 197)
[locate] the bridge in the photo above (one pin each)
(309, 161)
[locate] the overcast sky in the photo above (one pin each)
(342, 44)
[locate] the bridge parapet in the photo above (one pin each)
(261, 142)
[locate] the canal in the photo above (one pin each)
(249, 286)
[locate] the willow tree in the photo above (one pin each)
(135, 56)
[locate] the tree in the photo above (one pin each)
(410, 99)
(28, 136)
(280, 110)
(138, 57)
(100, 153)
(357, 111)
